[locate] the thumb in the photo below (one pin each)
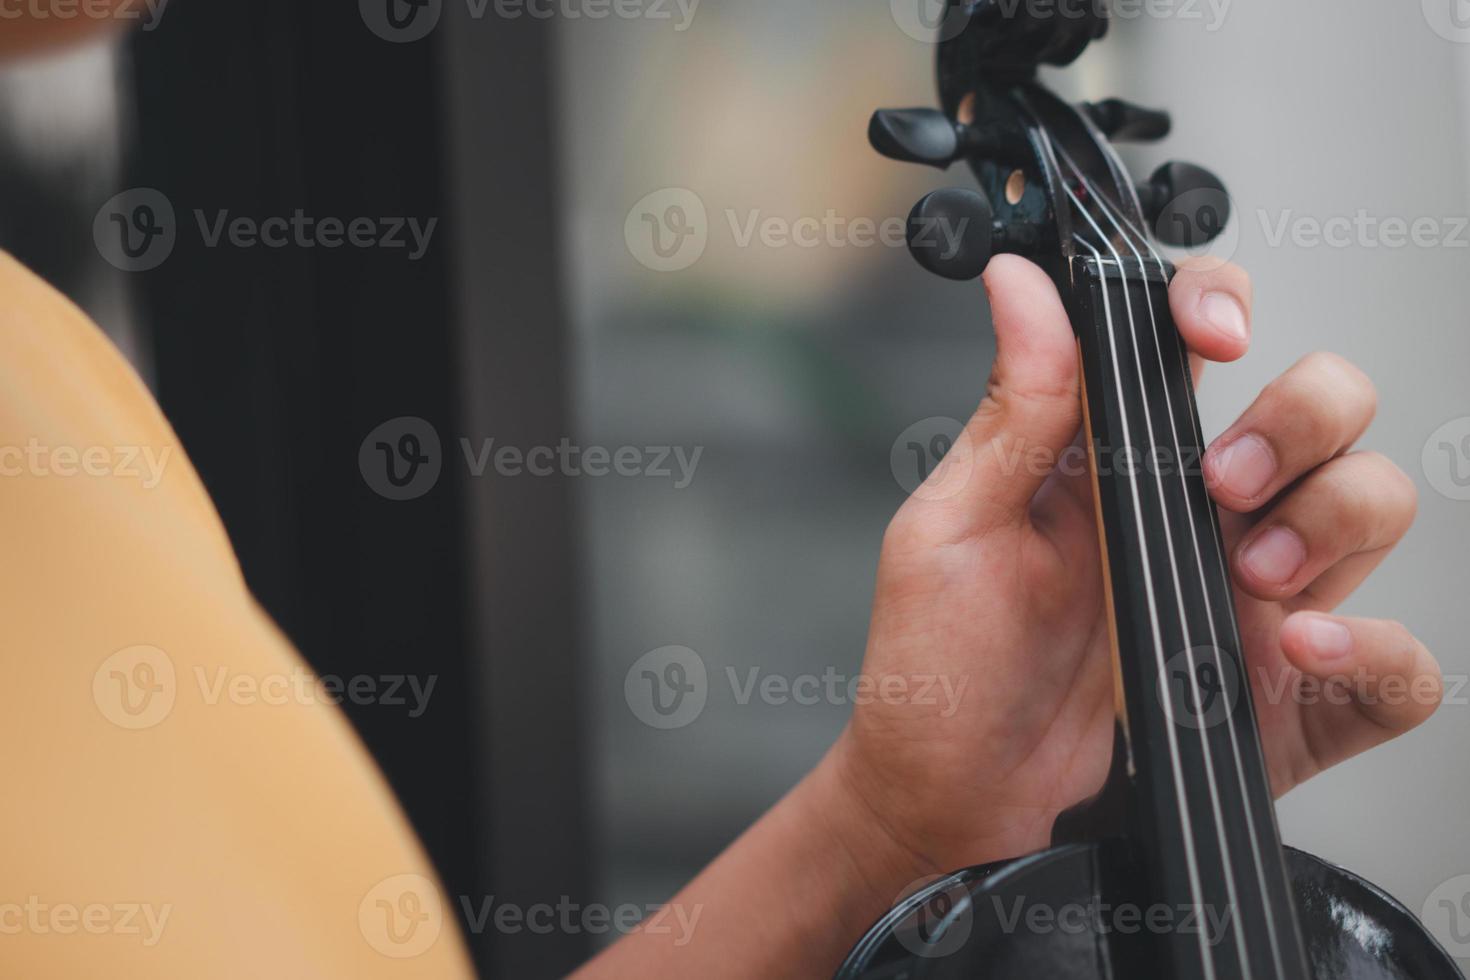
(1031, 411)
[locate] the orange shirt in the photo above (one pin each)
(158, 821)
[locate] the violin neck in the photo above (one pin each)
(1197, 784)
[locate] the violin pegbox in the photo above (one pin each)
(992, 125)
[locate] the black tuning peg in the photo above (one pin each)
(1124, 122)
(953, 233)
(1185, 204)
(918, 136)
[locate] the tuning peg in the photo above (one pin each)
(1187, 205)
(917, 136)
(1124, 122)
(953, 233)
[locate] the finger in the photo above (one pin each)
(1355, 504)
(1211, 302)
(1364, 681)
(1310, 414)
(1030, 412)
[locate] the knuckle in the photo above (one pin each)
(1400, 492)
(1403, 647)
(1324, 400)
(1377, 496)
(1341, 381)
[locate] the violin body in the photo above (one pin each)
(1067, 914)
(1176, 869)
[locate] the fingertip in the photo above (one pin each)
(1033, 334)
(1212, 308)
(1315, 643)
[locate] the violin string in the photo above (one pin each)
(1116, 167)
(1215, 653)
(1190, 857)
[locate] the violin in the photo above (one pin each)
(1175, 869)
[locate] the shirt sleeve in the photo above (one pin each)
(183, 800)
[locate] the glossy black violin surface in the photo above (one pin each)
(1176, 869)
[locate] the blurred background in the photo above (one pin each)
(656, 232)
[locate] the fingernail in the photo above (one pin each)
(1329, 639)
(1245, 467)
(1275, 556)
(1222, 312)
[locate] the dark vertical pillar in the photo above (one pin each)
(274, 364)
